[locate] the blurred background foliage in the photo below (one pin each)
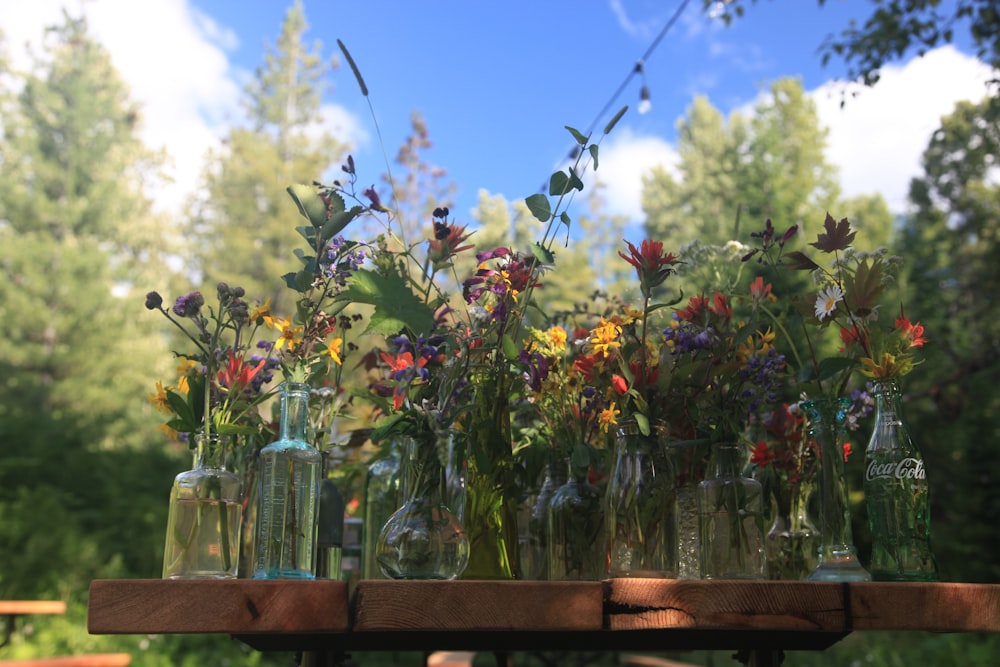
(84, 473)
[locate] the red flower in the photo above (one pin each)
(913, 333)
(618, 382)
(651, 264)
(447, 243)
(237, 374)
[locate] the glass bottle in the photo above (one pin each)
(838, 559)
(288, 496)
(382, 498)
(534, 555)
(689, 463)
(573, 536)
(896, 495)
(330, 532)
(731, 518)
(641, 507)
(203, 523)
(423, 539)
(793, 541)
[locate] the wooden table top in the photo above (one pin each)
(25, 607)
(520, 615)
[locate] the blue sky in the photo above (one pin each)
(496, 82)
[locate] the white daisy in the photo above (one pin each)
(827, 300)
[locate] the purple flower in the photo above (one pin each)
(189, 305)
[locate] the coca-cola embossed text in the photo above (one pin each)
(906, 469)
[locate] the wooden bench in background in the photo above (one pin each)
(12, 610)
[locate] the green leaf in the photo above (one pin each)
(642, 422)
(303, 281)
(559, 184)
(580, 458)
(593, 154)
(338, 221)
(310, 204)
(574, 180)
(577, 135)
(510, 348)
(543, 254)
(838, 236)
(538, 204)
(863, 290)
(396, 307)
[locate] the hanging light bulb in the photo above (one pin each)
(645, 105)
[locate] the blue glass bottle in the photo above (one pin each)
(288, 498)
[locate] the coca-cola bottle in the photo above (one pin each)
(897, 495)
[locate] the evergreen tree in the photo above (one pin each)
(243, 226)
(78, 244)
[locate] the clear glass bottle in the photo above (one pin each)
(731, 518)
(382, 499)
(838, 558)
(423, 539)
(203, 523)
(641, 507)
(534, 554)
(575, 525)
(897, 495)
(288, 496)
(793, 541)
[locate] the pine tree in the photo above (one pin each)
(243, 227)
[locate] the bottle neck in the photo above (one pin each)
(727, 460)
(294, 410)
(210, 451)
(888, 405)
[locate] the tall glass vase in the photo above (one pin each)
(838, 559)
(573, 538)
(491, 496)
(897, 495)
(533, 524)
(382, 499)
(423, 539)
(288, 495)
(641, 507)
(203, 523)
(690, 465)
(731, 518)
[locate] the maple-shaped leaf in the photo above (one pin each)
(838, 236)
(863, 289)
(798, 261)
(396, 306)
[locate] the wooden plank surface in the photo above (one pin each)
(937, 607)
(22, 607)
(91, 660)
(236, 606)
(644, 604)
(478, 605)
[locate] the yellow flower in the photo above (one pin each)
(888, 366)
(604, 337)
(184, 370)
(167, 431)
(333, 349)
(608, 417)
(290, 335)
(556, 337)
(158, 399)
(262, 311)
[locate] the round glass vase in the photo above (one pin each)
(837, 556)
(897, 495)
(793, 540)
(641, 507)
(288, 494)
(423, 539)
(203, 522)
(731, 518)
(573, 538)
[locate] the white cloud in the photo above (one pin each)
(877, 138)
(624, 160)
(176, 61)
